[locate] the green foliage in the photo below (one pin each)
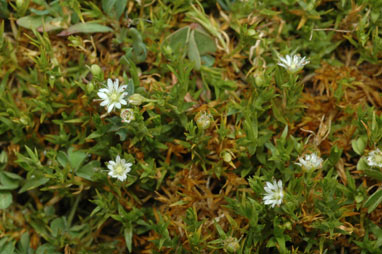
(213, 119)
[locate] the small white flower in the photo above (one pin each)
(119, 168)
(113, 95)
(292, 63)
(274, 193)
(374, 159)
(310, 162)
(127, 115)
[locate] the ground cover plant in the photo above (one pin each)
(175, 126)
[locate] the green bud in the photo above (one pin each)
(231, 244)
(167, 49)
(203, 120)
(287, 225)
(90, 87)
(227, 157)
(20, 3)
(136, 99)
(96, 70)
(251, 32)
(359, 198)
(259, 79)
(24, 120)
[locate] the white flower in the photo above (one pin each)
(113, 95)
(127, 115)
(119, 168)
(274, 193)
(310, 162)
(292, 63)
(374, 159)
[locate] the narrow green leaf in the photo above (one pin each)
(193, 52)
(375, 174)
(88, 28)
(373, 201)
(128, 233)
(30, 22)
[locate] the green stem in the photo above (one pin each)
(74, 208)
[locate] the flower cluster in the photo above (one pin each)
(113, 97)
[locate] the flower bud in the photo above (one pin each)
(90, 87)
(287, 225)
(231, 244)
(136, 99)
(227, 157)
(259, 79)
(251, 32)
(24, 120)
(96, 70)
(203, 120)
(127, 115)
(20, 3)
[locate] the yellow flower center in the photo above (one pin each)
(119, 169)
(114, 96)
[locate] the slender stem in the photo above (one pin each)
(74, 208)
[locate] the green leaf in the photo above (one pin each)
(178, 39)
(87, 172)
(114, 8)
(57, 226)
(375, 174)
(8, 248)
(362, 164)
(31, 22)
(33, 183)
(62, 158)
(88, 28)
(373, 201)
(76, 158)
(359, 144)
(128, 233)
(5, 199)
(107, 6)
(47, 249)
(4, 12)
(23, 245)
(94, 135)
(130, 87)
(204, 41)
(193, 52)
(7, 182)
